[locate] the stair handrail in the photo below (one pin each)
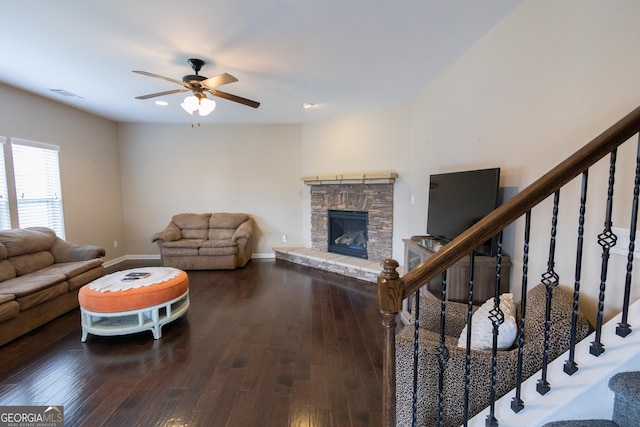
(393, 289)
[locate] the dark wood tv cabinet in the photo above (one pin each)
(484, 281)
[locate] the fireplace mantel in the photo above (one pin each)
(387, 177)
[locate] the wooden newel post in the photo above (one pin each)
(390, 289)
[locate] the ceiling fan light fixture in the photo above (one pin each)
(190, 104)
(206, 106)
(201, 103)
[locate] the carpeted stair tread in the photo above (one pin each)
(626, 404)
(626, 384)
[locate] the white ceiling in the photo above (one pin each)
(342, 55)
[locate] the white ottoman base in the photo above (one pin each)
(129, 322)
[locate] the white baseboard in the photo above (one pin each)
(268, 255)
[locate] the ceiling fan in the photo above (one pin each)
(199, 85)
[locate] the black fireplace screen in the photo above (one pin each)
(348, 233)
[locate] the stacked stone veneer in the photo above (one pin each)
(376, 199)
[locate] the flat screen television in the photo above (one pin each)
(457, 200)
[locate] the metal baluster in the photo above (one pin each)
(550, 280)
(416, 325)
(624, 328)
(442, 352)
(607, 239)
(570, 366)
(467, 363)
(517, 404)
(496, 315)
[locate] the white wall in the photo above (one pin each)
(543, 83)
(89, 164)
(169, 169)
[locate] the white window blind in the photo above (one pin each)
(38, 190)
(5, 213)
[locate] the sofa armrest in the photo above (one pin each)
(245, 230)
(169, 234)
(64, 251)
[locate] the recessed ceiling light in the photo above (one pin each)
(163, 103)
(307, 105)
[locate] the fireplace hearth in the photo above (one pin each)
(347, 233)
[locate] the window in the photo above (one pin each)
(5, 213)
(37, 181)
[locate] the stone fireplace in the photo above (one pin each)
(371, 193)
(367, 195)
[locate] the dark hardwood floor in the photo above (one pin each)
(272, 344)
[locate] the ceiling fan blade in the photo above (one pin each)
(219, 80)
(144, 73)
(169, 92)
(234, 98)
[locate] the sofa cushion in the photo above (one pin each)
(227, 220)
(9, 307)
(193, 226)
(6, 298)
(47, 294)
(3, 252)
(82, 279)
(6, 270)
(179, 251)
(225, 243)
(29, 283)
(184, 243)
(229, 250)
(184, 247)
(189, 233)
(218, 247)
(70, 269)
(19, 241)
(221, 233)
(64, 251)
(25, 264)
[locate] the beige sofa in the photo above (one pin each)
(207, 241)
(40, 275)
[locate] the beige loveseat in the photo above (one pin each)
(207, 241)
(40, 275)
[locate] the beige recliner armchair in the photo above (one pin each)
(207, 241)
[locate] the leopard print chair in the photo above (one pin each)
(454, 372)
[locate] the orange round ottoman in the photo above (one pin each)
(134, 300)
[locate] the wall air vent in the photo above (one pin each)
(66, 93)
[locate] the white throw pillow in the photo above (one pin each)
(482, 327)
